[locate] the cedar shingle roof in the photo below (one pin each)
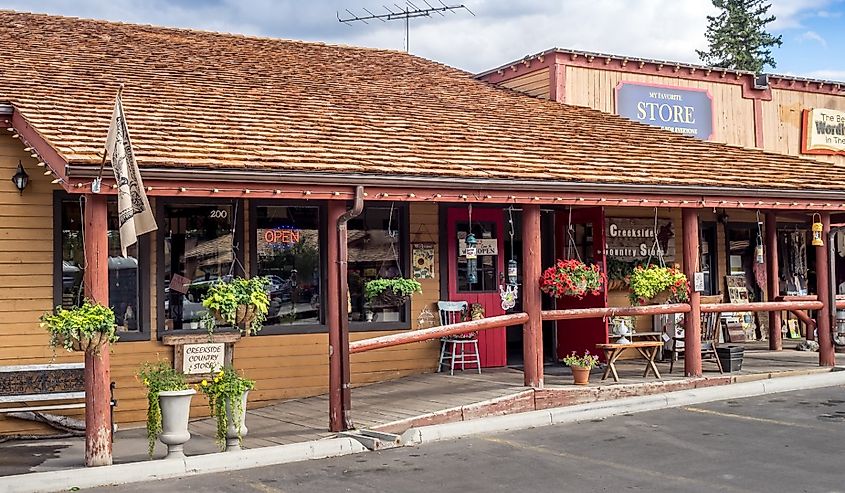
(207, 100)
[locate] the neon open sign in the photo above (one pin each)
(282, 236)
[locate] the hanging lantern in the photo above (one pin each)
(817, 230)
(758, 254)
(472, 258)
(512, 272)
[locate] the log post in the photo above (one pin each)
(772, 280)
(692, 320)
(823, 322)
(336, 209)
(98, 426)
(532, 303)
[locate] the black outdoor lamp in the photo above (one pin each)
(20, 179)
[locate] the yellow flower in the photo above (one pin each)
(220, 374)
(147, 382)
(204, 383)
(216, 379)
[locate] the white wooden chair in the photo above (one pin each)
(456, 350)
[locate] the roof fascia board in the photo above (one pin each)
(45, 152)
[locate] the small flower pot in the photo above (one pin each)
(175, 410)
(85, 343)
(581, 374)
(236, 423)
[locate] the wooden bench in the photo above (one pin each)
(42, 384)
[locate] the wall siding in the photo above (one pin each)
(534, 84)
(782, 121)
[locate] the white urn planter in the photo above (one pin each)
(175, 410)
(233, 441)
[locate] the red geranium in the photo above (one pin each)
(572, 278)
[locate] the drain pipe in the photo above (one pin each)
(340, 398)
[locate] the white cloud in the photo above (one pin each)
(837, 75)
(814, 37)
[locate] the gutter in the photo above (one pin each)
(373, 180)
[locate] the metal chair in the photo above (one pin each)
(709, 340)
(456, 350)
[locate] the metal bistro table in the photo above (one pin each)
(647, 349)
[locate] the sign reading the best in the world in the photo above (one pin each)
(824, 132)
(685, 111)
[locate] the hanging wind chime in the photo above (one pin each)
(509, 291)
(471, 252)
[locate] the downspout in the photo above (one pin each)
(343, 302)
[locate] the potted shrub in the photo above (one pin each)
(169, 405)
(239, 302)
(657, 285)
(227, 393)
(396, 291)
(572, 278)
(581, 364)
(81, 328)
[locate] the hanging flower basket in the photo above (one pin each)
(572, 278)
(391, 292)
(245, 316)
(655, 285)
(82, 328)
(241, 303)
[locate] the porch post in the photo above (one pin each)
(692, 320)
(98, 426)
(532, 332)
(826, 353)
(772, 280)
(336, 209)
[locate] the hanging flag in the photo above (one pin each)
(135, 217)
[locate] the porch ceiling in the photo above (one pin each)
(199, 101)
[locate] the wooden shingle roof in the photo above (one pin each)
(200, 100)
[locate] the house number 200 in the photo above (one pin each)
(219, 214)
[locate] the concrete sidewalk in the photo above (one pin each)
(219, 462)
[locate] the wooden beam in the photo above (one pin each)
(692, 320)
(773, 279)
(615, 311)
(765, 306)
(437, 332)
(532, 302)
(824, 319)
(98, 426)
(333, 314)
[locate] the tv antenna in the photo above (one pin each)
(406, 13)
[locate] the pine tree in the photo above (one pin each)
(737, 38)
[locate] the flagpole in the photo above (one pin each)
(106, 151)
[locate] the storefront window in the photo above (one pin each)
(197, 251)
(377, 240)
(124, 273)
(287, 251)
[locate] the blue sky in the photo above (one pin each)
(500, 31)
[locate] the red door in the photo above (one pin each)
(488, 227)
(588, 237)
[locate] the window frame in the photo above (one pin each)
(321, 206)
(404, 214)
(144, 332)
(238, 216)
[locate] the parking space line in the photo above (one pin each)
(752, 418)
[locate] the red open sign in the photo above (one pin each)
(284, 236)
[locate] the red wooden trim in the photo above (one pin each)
(803, 317)
(614, 311)
(824, 319)
(773, 276)
(532, 302)
(437, 332)
(333, 314)
(518, 69)
(765, 306)
(31, 138)
(758, 123)
(692, 320)
(557, 83)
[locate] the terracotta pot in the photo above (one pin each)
(581, 374)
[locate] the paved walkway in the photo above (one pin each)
(395, 405)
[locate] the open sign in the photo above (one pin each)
(283, 236)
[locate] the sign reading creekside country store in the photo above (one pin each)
(634, 238)
(687, 111)
(203, 358)
(824, 132)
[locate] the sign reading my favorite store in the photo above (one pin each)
(687, 111)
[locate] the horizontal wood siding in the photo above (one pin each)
(734, 116)
(534, 84)
(782, 121)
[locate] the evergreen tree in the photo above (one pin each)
(737, 38)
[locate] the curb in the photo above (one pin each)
(627, 405)
(135, 472)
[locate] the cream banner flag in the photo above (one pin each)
(133, 209)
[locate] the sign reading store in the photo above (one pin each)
(687, 111)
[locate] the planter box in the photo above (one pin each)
(731, 357)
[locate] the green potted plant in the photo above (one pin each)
(227, 393)
(168, 407)
(581, 364)
(394, 291)
(239, 302)
(657, 285)
(572, 278)
(81, 328)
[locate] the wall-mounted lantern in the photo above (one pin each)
(20, 178)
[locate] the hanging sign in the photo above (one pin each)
(823, 132)
(485, 246)
(422, 257)
(687, 111)
(281, 236)
(634, 238)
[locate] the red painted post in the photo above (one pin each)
(823, 322)
(772, 280)
(336, 208)
(98, 426)
(692, 320)
(532, 303)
